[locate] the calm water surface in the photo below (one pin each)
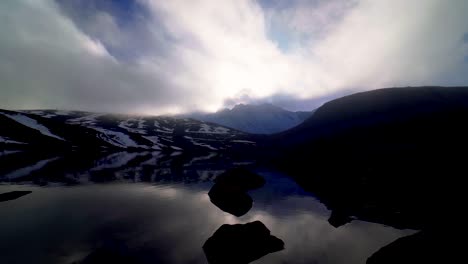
(166, 219)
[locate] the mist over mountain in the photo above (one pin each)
(256, 119)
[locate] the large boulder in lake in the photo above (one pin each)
(239, 244)
(230, 190)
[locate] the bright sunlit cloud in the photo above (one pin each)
(153, 57)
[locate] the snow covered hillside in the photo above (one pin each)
(104, 131)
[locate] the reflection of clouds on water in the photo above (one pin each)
(169, 223)
(302, 223)
(81, 218)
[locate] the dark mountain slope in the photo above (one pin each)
(393, 156)
(382, 155)
(392, 106)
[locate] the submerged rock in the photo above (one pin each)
(241, 243)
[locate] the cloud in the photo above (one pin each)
(173, 56)
(383, 43)
(287, 101)
(295, 23)
(47, 62)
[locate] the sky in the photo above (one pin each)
(158, 57)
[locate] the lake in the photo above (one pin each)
(154, 208)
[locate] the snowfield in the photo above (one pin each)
(88, 120)
(207, 129)
(127, 125)
(108, 131)
(117, 138)
(31, 123)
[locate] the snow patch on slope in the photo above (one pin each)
(201, 158)
(89, 120)
(155, 141)
(166, 131)
(117, 138)
(221, 130)
(62, 112)
(243, 141)
(42, 113)
(128, 123)
(32, 123)
(207, 129)
(192, 140)
(6, 140)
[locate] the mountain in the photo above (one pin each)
(392, 156)
(415, 115)
(396, 140)
(256, 119)
(50, 129)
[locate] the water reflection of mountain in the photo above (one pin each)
(167, 211)
(75, 168)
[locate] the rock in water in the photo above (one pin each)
(230, 190)
(239, 244)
